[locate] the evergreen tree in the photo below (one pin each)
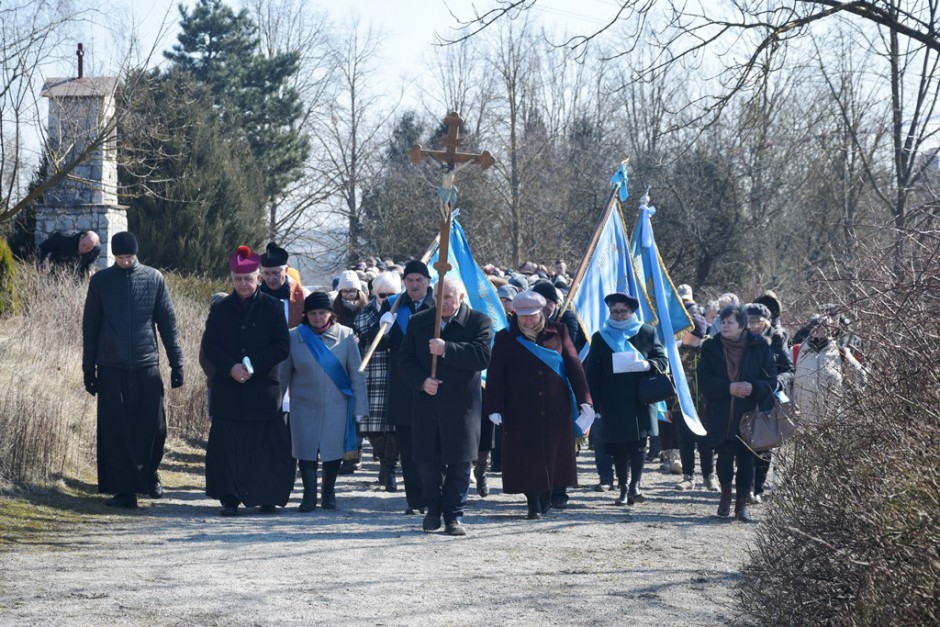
(195, 193)
(219, 48)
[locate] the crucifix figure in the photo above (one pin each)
(453, 162)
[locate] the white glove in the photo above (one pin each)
(388, 318)
(359, 418)
(640, 365)
(496, 419)
(246, 362)
(588, 412)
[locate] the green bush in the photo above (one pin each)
(9, 301)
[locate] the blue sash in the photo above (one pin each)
(337, 374)
(404, 313)
(554, 360)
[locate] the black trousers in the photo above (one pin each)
(729, 451)
(131, 429)
(409, 469)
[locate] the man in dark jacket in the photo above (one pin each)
(418, 297)
(120, 361)
(446, 427)
(72, 252)
(248, 457)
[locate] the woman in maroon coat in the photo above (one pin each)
(529, 383)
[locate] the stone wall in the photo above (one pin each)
(105, 220)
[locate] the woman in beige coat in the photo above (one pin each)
(327, 392)
(823, 369)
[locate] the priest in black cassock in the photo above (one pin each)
(248, 458)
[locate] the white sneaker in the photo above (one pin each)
(710, 484)
(686, 484)
(676, 467)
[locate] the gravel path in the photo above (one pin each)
(668, 561)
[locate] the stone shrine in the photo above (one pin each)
(82, 120)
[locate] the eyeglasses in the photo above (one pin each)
(382, 295)
(620, 312)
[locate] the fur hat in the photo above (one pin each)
(769, 300)
(244, 261)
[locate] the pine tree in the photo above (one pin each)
(219, 48)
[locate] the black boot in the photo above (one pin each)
(740, 509)
(389, 462)
(724, 505)
(622, 499)
(308, 475)
(535, 508)
(545, 501)
(330, 470)
(634, 495)
(479, 473)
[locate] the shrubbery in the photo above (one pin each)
(852, 536)
(9, 301)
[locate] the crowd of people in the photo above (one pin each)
(288, 389)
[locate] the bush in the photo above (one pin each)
(852, 536)
(9, 301)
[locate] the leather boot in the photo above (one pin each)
(479, 473)
(308, 475)
(389, 459)
(740, 509)
(724, 505)
(622, 499)
(535, 509)
(330, 470)
(634, 495)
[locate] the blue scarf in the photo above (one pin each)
(554, 360)
(617, 338)
(337, 374)
(403, 313)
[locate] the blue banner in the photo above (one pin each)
(609, 270)
(671, 312)
(481, 295)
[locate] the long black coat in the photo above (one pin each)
(400, 406)
(722, 411)
(615, 395)
(538, 428)
(260, 332)
(446, 426)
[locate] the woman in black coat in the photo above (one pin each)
(760, 321)
(736, 373)
(620, 354)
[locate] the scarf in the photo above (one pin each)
(323, 330)
(734, 355)
(533, 333)
(281, 293)
(617, 333)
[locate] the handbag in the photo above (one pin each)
(654, 387)
(764, 429)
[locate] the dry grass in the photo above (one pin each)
(47, 420)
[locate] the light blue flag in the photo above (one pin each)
(481, 294)
(671, 312)
(608, 270)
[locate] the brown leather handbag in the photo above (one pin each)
(762, 430)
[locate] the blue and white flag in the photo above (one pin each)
(608, 270)
(669, 309)
(481, 295)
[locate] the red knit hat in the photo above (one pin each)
(243, 261)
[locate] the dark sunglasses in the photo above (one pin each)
(383, 295)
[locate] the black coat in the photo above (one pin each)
(400, 405)
(782, 359)
(570, 320)
(446, 426)
(124, 309)
(62, 252)
(722, 411)
(615, 395)
(259, 332)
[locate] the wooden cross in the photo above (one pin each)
(454, 161)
